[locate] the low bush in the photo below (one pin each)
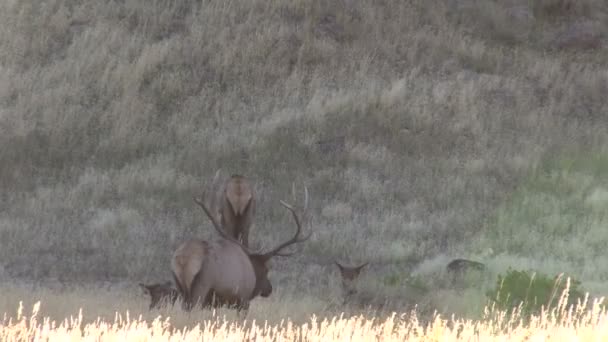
(528, 292)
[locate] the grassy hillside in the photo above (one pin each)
(422, 129)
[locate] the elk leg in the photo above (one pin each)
(199, 292)
(212, 300)
(185, 294)
(191, 299)
(242, 309)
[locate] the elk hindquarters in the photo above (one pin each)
(239, 194)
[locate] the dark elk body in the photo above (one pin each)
(225, 268)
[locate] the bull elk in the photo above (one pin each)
(226, 267)
(160, 294)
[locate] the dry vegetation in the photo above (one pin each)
(424, 129)
(556, 325)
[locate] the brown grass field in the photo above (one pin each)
(425, 130)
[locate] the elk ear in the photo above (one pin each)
(339, 266)
(359, 268)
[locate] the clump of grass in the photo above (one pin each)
(530, 292)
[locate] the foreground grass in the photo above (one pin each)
(561, 324)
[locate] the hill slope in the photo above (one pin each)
(409, 121)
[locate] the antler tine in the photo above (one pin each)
(214, 191)
(217, 175)
(295, 239)
(217, 226)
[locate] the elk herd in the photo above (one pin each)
(225, 271)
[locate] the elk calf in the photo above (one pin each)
(160, 294)
(460, 271)
(349, 279)
(237, 208)
(459, 266)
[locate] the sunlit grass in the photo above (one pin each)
(583, 322)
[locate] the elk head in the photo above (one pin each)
(160, 294)
(349, 277)
(259, 260)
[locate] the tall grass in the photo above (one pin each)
(559, 324)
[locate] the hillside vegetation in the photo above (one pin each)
(424, 130)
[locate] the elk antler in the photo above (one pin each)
(296, 238)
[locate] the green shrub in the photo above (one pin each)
(533, 290)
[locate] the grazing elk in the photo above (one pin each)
(372, 301)
(461, 271)
(160, 294)
(462, 265)
(349, 279)
(226, 267)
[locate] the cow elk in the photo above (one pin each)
(234, 206)
(160, 294)
(237, 208)
(349, 279)
(226, 267)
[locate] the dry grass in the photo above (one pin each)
(113, 114)
(582, 322)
